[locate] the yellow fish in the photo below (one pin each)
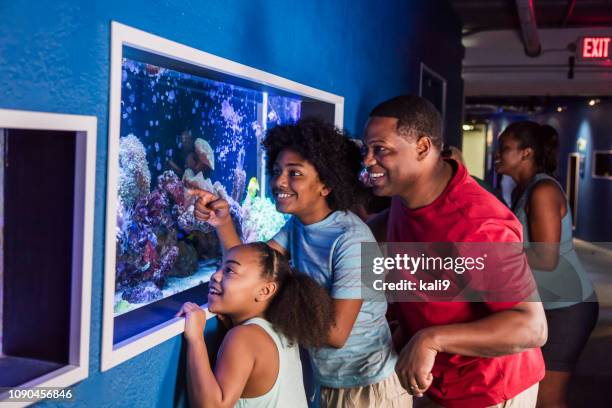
(253, 187)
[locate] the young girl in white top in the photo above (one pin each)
(271, 309)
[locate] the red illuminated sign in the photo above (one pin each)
(595, 47)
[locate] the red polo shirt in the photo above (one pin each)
(464, 212)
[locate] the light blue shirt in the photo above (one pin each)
(330, 252)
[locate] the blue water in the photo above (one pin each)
(169, 111)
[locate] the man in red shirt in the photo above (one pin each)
(461, 354)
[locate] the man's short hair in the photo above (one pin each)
(415, 116)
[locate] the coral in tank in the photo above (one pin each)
(186, 262)
(149, 245)
(261, 221)
(148, 238)
(239, 178)
(134, 175)
(205, 153)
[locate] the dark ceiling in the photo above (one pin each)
(482, 15)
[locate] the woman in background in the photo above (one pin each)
(528, 153)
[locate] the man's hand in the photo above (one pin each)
(195, 321)
(210, 208)
(415, 363)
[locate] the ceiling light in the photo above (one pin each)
(594, 102)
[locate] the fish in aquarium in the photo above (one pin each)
(179, 131)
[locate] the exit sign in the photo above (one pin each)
(595, 48)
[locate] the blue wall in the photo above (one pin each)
(54, 57)
(593, 124)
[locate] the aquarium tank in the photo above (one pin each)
(184, 126)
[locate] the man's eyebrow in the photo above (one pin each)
(375, 141)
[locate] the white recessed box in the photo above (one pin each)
(47, 176)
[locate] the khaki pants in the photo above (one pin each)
(526, 399)
(387, 393)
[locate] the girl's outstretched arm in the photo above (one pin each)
(234, 366)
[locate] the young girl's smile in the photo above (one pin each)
(297, 189)
(238, 285)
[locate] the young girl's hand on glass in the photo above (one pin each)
(195, 321)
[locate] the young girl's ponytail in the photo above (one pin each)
(302, 310)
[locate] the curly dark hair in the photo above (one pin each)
(302, 310)
(333, 154)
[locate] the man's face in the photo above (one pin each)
(390, 158)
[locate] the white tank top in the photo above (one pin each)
(288, 389)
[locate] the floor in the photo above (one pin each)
(591, 385)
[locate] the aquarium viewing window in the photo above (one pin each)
(179, 118)
(47, 181)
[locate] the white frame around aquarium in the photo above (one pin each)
(114, 354)
(576, 174)
(82, 251)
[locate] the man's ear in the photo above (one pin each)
(266, 291)
(423, 147)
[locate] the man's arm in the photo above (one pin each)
(505, 332)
